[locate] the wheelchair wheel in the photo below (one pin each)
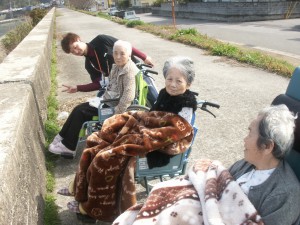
(137, 108)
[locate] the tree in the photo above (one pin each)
(124, 4)
(82, 4)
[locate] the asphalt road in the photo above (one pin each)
(241, 91)
(277, 36)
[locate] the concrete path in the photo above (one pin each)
(240, 90)
(279, 37)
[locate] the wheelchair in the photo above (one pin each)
(147, 177)
(291, 99)
(145, 96)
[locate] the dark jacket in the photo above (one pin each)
(174, 104)
(103, 45)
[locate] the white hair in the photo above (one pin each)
(124, 44)
(184, 64)
(277, 125)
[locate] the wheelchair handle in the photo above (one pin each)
(211, 104)
(142, 65)
(205, 103)
(151, 71)
(109, 100)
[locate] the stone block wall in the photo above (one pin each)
(230, 11)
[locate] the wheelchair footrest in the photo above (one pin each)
(68, 155)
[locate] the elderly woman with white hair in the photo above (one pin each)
(121, 85)
(176, 97)
(260, 189)
(122, 77)
(263, 174)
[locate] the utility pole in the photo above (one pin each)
(173, 13)
(10, 10)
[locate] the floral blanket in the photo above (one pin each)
(104, 184)
(208, 195)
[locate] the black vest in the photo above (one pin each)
(174, 104)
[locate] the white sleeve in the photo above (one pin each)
(187, 114)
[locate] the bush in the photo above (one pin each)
(224, 49)
(133, 23)
(103, 15)
(118, 20)
(15, 36)
(37, 15)
(181, 32)
(157, 3)
(123, 4)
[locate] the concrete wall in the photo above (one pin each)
(24, 87)
(229, 11)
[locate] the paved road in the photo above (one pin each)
(239, 89)
(278, 36)
(7, 25)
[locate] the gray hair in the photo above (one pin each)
(124, 44)
(184, 64)
(277, 125)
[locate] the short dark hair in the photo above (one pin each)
(67, 40)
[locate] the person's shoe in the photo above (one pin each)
(73, 206)
(57, 139)
(65, 192)
(60, 149)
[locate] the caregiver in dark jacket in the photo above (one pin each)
(263, 174)
(98, 55)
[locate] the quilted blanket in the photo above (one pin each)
(207, 195)
(104, 183)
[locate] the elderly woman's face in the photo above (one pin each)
(175, 82)
(120, 55)
(252, 152)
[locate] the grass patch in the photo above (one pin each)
(51, 211)
(51, 129)
(134, 23)
(16, 35)
(214, 47)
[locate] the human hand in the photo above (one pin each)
(69, 89)
(148, 61)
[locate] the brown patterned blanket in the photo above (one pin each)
(208, 195)
(104, 183)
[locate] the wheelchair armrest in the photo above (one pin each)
(110, 100)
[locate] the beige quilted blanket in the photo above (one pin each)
(208, 195)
